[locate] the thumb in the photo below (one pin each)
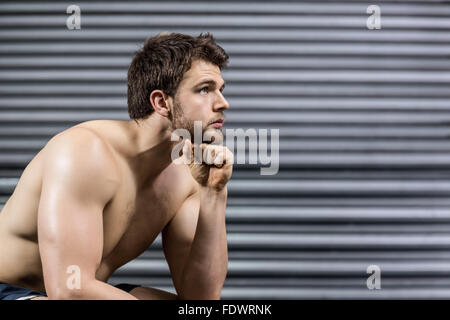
(187, 151)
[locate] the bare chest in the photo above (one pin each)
(133, 220)
(130, 226)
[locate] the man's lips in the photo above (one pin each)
(218, 123)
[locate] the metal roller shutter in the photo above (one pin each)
(364, 131)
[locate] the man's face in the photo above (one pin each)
(199, 98)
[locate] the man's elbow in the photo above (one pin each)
(66, 294)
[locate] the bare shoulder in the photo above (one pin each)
(80, 142)
(81, 156)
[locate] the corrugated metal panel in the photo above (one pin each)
(364, 131)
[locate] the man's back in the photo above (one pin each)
(121, 206)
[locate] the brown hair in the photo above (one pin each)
(161, 64)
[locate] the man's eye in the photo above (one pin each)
(204, 90)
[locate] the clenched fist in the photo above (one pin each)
(210, 165)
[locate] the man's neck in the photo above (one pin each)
(151, 147)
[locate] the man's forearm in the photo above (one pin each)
(207, 265)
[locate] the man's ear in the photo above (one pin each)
(159, 102)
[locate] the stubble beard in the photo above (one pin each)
(179, 121)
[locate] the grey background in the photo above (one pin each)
(363, 118)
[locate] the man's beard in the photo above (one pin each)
(179, 121)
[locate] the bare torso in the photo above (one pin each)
(132, 220)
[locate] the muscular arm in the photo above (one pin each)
(195, 245)
(79, 179)
(199, 264)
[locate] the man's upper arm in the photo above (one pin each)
(78, 180)
(178, 235)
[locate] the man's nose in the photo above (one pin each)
(221, 103)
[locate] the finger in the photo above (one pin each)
(208, 154)
(215, 155)
(197, 150)
(187, 145)
(219, 159)
(187, 152)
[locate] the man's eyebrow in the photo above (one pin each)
(210, 82)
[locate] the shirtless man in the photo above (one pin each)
(98, 194)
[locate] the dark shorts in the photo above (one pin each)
(11, 292)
